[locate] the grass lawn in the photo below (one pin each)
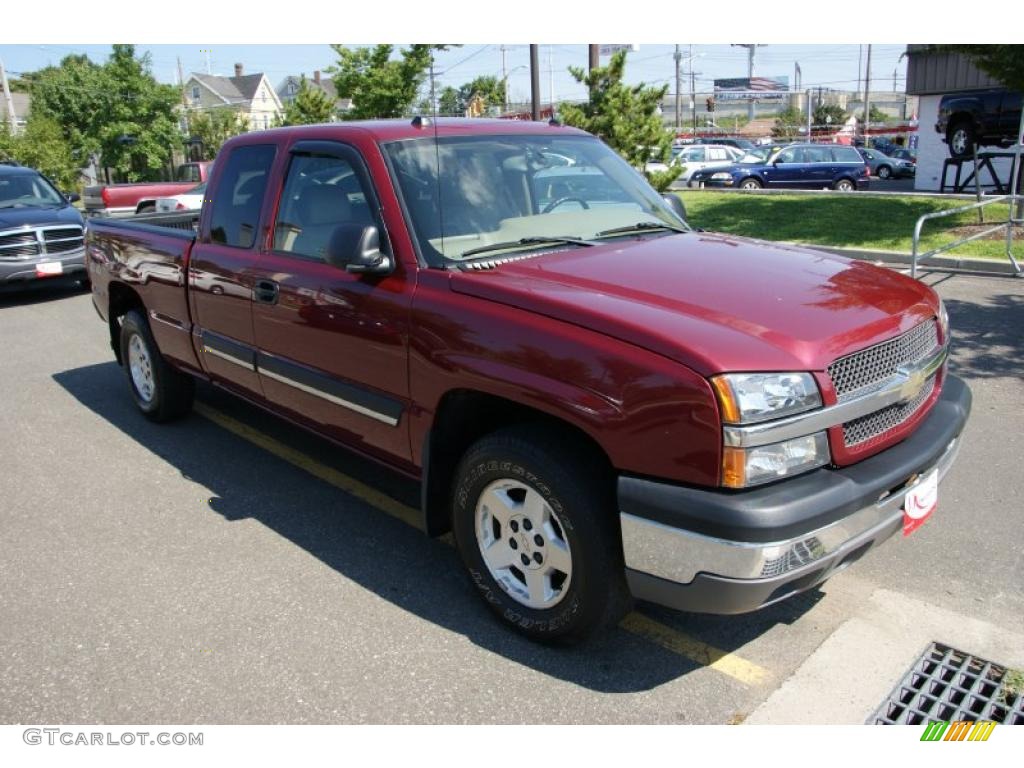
(851, 221)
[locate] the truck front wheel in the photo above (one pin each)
(960, 139)
(160, 392)
(537, 532)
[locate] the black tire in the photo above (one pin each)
(961, 139)
(172, 391)
(751, 183)
(844, 185)
(884, 172)
(582, 497)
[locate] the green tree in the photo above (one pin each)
(1003, 62)
(215, 126)
(625, 117)
(310, 106)
(378, 85)
(457, 101)
(448, 102)
(42, 146)
(76, 96)
(788, 123)
(875, 115)
(824, 111)
(139, 128)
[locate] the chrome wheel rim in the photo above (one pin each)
(884, 172)
(141, 368)
(523, 544)
(960, 141)
(844, 186)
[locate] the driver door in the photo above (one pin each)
(332, 345)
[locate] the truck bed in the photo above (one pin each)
(148, 254)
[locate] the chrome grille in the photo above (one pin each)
(876, 364)
(63, 239)
(859, 431)
(19, 245)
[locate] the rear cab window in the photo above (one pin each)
(235, 213)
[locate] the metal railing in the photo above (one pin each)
(1010, 200)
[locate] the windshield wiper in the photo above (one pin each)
(640, 226)
(524, 242)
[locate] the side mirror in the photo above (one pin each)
(356, 248)
(676, 204)
(72, 197)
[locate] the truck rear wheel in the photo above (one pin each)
(160, 392)
(539, 536)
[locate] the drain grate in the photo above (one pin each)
(947, 685)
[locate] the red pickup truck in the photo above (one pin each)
(128, 199)
(599, 401)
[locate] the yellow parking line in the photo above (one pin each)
(706, 655)
(635, 623)
(328, 474)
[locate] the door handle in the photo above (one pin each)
(265, 291)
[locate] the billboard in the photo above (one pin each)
(746, 88)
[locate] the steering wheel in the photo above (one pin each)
(555, 203)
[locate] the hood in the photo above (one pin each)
(714, 303)
(12, 218)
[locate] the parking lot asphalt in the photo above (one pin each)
(231, 568)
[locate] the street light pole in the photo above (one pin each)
(535, 81)
(867, 99)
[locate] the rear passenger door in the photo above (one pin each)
(819, 167)
(222, 268)
(332, 345)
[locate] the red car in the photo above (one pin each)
(129, 199)
(600, 402)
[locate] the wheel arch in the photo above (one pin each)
(464, 416)
(123, 299)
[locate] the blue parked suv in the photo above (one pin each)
(797, 166)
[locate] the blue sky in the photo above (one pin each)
(833, 65)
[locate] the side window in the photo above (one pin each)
(717, 153)
(787, 156)
(817, 155)
(319, 194)
(239, 197)
(846, 155)
(697, 155)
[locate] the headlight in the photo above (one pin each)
(744, 467)
(747, 398)
(943, 321)
(721, 176)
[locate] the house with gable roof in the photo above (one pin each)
(252, 95)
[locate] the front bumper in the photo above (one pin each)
(72, 264)
(712, 551)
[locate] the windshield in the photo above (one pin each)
(25, 190)
(473, 195)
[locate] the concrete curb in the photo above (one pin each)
(854, 670)
(978, 266)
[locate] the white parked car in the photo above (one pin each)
(187, 201)
(697, 157)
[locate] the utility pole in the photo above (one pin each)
(551, 82)
(534, 82)
(693, 94)
(867, 99)
(593, 56)
(11, 116)
(433, 100)
(504, 80)
(208, 70)
(679, 112)
(895, 72)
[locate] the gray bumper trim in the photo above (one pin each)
(691, 571)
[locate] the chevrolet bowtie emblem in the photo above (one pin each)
(912, 386)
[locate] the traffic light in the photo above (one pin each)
(710, 103)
